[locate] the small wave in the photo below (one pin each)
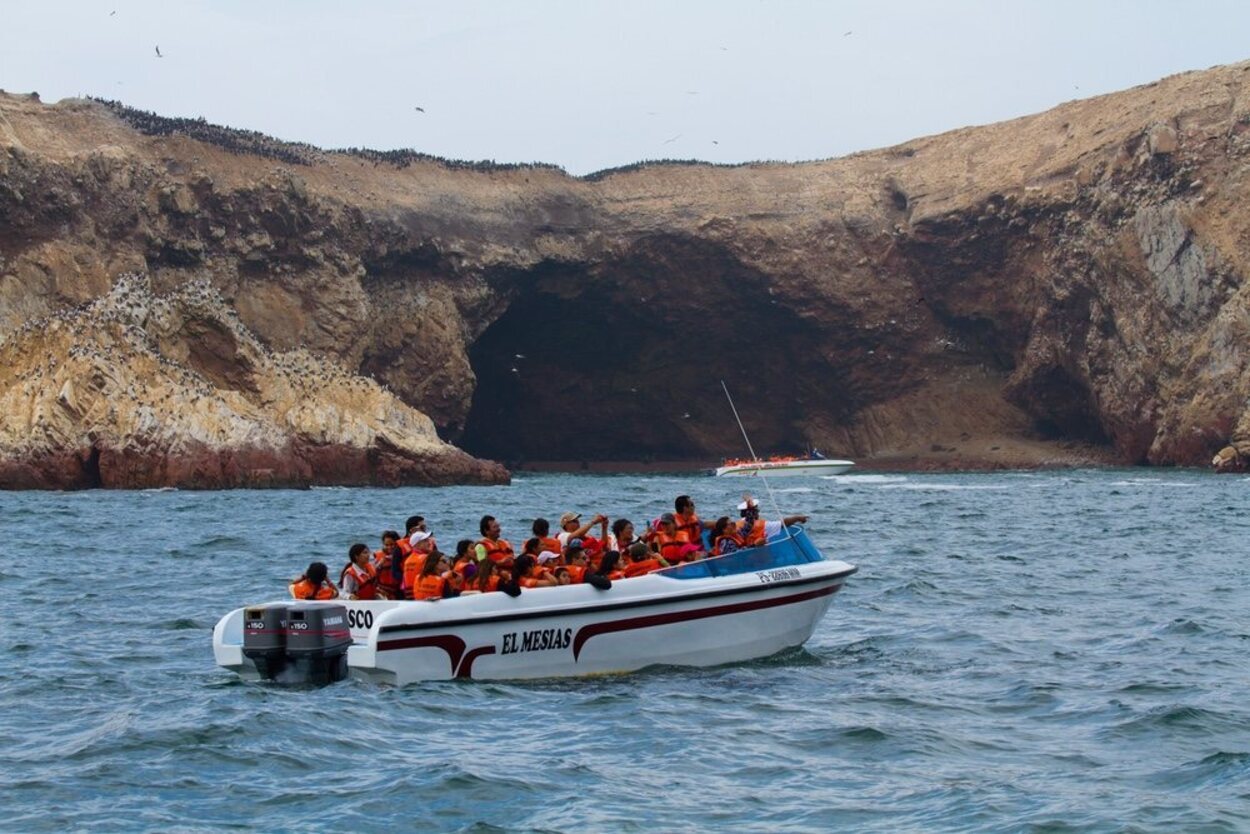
(181, 624)
(865, 479)
(1182, 625)
(1145, 688)
(792, 490)
(864, 734)
(1176, 715)
(921, 487)
(1152, 482)
(1217, 769)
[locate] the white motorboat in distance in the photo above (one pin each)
(744, 605)
(773, 467)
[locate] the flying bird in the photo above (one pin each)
(674, 139)
(113, 12)
(419, 109)
(520, 356)
(714, 142)
(158, 52)
(847, 33)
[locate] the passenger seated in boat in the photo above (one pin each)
(314, 584)
(608, 569)
(754, 530)
(572, 528)
(416, 524)
(542, 532)
(672, 544)
(358, 579)
(642, 561)
(388, 566)
(549, 561)
(422, 547)
(623, 532)
(578, 563)
(687, 522)
(481, 578)
(465, 557)
(432, 582)
(530, 575)
(562, 576)
(725, 537)
(491, 545)
(532, 547)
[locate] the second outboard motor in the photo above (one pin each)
(317, 638)
(264, 639)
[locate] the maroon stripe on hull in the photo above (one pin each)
(595, 629)
(462, 662)
(466, 665)
(450, 643)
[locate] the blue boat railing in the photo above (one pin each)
(780, 551)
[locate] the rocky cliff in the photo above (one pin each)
(139, 390)
(1059, 288)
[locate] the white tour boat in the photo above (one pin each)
(784, 466)
(744, 605)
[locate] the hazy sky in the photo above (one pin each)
(589, 85)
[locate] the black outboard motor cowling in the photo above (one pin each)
(317, 639)
(264, 639)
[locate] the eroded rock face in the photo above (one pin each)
(140, 390)
(1070, 284)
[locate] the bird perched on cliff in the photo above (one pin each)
(158, 52)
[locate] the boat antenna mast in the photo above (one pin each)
(760, 472)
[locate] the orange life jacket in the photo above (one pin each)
(429, 587)
(492, 584)
(754, 535)
(412, 569)
(387, 583)
(691, 526)
(731, 536)
(551, 544)
(498, 551)
(405, 546)
(671, 546)
(645, 566)
(366, 580)
(577, 573)
(531, 581)
(304, 589)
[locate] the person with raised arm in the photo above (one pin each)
(754, 530)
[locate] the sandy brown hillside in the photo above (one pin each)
(1057, 288)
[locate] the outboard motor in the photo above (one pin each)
(264, 639)
(317, 638)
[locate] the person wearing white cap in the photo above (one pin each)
(422, 546)
(754, 530)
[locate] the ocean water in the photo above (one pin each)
(1019, 652)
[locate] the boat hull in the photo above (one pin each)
(808, 468)
(749, 605)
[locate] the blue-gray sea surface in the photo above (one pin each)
(1018, 652)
